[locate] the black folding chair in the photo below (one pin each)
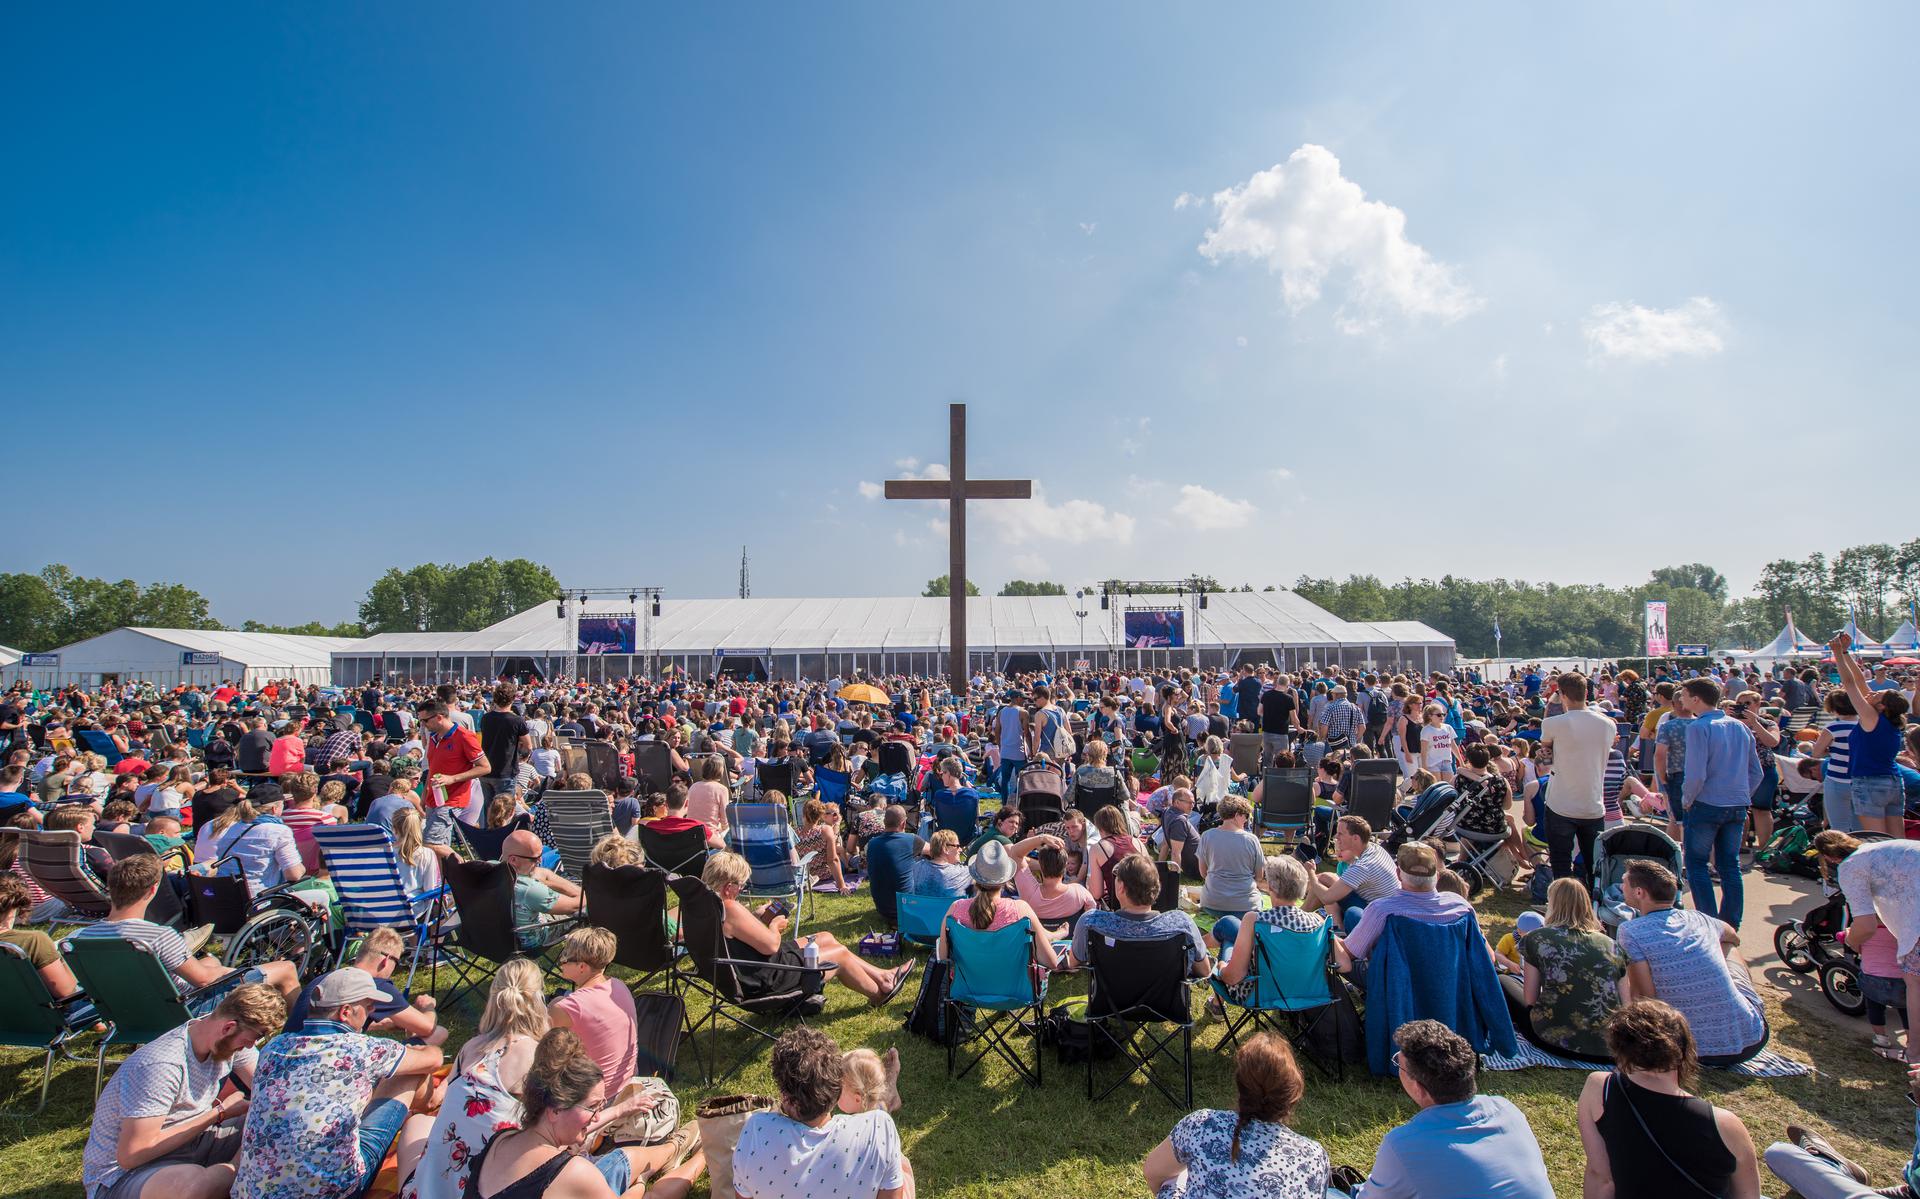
(486, 937)
(1169, 897)
(603, 763)
(675, 853)
(1088, 800)
(1286, 801)
(1372, 798)
(487, 844)
(1141, 985)
(774, 776)
(707, 969)
(631, 903)
(653, 766)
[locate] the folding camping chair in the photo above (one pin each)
(773, 776)
(956, 813)
(676, 853)
(1141, 984)
(130, 989)
(792, 992)
(603, 763)
(31, 1018)
(920, 916)
(487, 844)
(97, 741)
(1088, 800)
(1286, 801)
(631, 903)
(486, 937)
(831, 786)
(1294, 980)
(576, 820)
(365, 872)
(53, 860)
(993, 976)
(1245, 750)
(762, 833)
(653, 766)
(1373, 796)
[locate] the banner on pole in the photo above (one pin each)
(1656, 628)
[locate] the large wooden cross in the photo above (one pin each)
(957, 489)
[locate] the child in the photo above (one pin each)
(163, 833)
(1507, 952)
(868, 1083)
(1883, 987)
(599, 1009)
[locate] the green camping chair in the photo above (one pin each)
(131, 989)
(31, 1018)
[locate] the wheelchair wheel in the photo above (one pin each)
(273, 935)
(1794, 952)
(1840, 983)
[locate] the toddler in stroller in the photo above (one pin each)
(1613, 850)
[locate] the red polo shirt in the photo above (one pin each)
(454, 753)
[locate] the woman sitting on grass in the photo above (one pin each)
(820, 836)
(1248, 1151)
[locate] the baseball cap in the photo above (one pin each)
(349, 984)
(992, 865)
(1418, 860)
(1528, 922)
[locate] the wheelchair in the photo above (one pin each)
(275, 925)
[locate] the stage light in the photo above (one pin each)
(633, 597)
(656, 605)
(560, 609)
(1103, 601)
(1203, 599)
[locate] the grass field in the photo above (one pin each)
(988, 1136)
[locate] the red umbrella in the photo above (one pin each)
(1901, 661)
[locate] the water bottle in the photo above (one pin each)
(810, 953)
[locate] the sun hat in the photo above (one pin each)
(1528, 922)
(992, 865)
(349, 984)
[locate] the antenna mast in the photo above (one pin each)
(745, 589)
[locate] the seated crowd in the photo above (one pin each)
(284, 1083)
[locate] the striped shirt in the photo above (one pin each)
(1839, 760)
(166, 944)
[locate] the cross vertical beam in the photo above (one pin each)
(956, 490)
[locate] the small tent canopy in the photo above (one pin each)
(1862, 644)
(10, 655)
(1904, 640)
(1790, 642)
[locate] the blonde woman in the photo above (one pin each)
(613, 850)
(761, 936)
(483, 1094)
(419, 862)
(1574, 977)
(820, 836)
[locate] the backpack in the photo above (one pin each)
(1067, 1030)
(929, 1015)
(1062, 746)
(1377, 709)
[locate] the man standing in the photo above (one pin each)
(507, 740)
(1010, 724)
(1577, 742)
(1341, 720)
(1277, 710)
(1721, 775)
(454, 760)
(1246, 691)
(161, 1129)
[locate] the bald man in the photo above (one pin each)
(539, 894)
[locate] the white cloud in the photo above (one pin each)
(1131, 444)
(933, 470)
(1279, 474)
(871, 491)
(1029, 564)
(1636, 334)
(1075, 522)
(1241, 342)
(1307, 222)
(1185, 200)
(1087, 227)
(1203, 510)
(906, 463)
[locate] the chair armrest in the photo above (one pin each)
(822, 968)
(806, 860)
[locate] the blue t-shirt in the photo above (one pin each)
(1482, 1148)
(1683, 951)
(382, 811)
(889, 862)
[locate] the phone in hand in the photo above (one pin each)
(778, 908)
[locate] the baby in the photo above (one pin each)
(869, 1083)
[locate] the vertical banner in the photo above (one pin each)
(1656, 628)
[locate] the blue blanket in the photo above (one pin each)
(1424, 971)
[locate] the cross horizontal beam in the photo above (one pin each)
(974, 489)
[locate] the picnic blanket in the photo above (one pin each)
(1766, 1064)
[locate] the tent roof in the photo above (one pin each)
(758, 625)
(1903, 638)
(10, 655)
(250, 649)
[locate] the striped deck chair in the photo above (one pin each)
(365, 871)
(53, 860)
(762, 833)
(576, 820)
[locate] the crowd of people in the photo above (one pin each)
(283, 1083)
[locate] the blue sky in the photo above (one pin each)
(1500, 289)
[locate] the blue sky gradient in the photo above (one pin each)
(620, 288)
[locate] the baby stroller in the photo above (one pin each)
(1432, 815)
(1041, 793)
(1811, 943)
(1613, 851)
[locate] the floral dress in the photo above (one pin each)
(818, 841)
(476, 1109)
(1486, 804)
(1275, 1161)
(1579, 973)
(1288, 917)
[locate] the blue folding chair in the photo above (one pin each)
(831, 786)
(197, 738)
(1294, 982)
(98, 742)
(993, 977)
(762, 833)
(365, 871)
(920, 916)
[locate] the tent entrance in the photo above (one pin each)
(1025, 664)
(744, 667)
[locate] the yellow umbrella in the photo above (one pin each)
(864, 693)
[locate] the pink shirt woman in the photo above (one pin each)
(707, 803)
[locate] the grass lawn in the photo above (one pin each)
(987, 1136)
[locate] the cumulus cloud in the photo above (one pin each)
(1204, 510)
(1186, 200)
(906, 463)
(1279, 474)
(871, 491)
(1636, 334)
(1308, 223)
(1074, 522)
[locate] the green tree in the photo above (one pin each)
(449, 598)
(31, 613)
(58, 607)
(1022, 587)
(1696, 575)
(313, 628)
(944, 586)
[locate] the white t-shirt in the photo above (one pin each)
(848, 1157)
(163, 1078)
(1436, 748)
(1581, 740)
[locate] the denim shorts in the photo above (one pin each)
(1879, 797)
(1837, 795)
(1891, 992)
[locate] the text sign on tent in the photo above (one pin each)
(1690, 651)
(192, 657)
(31, 660)
(1656, 628)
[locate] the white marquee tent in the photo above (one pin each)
(1904, 640)
(8, 656)
(1790, 642)
(820, 638)
(169, 657)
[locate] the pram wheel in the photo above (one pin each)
(1790, 944)
(1840, 983)
(274, 935)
